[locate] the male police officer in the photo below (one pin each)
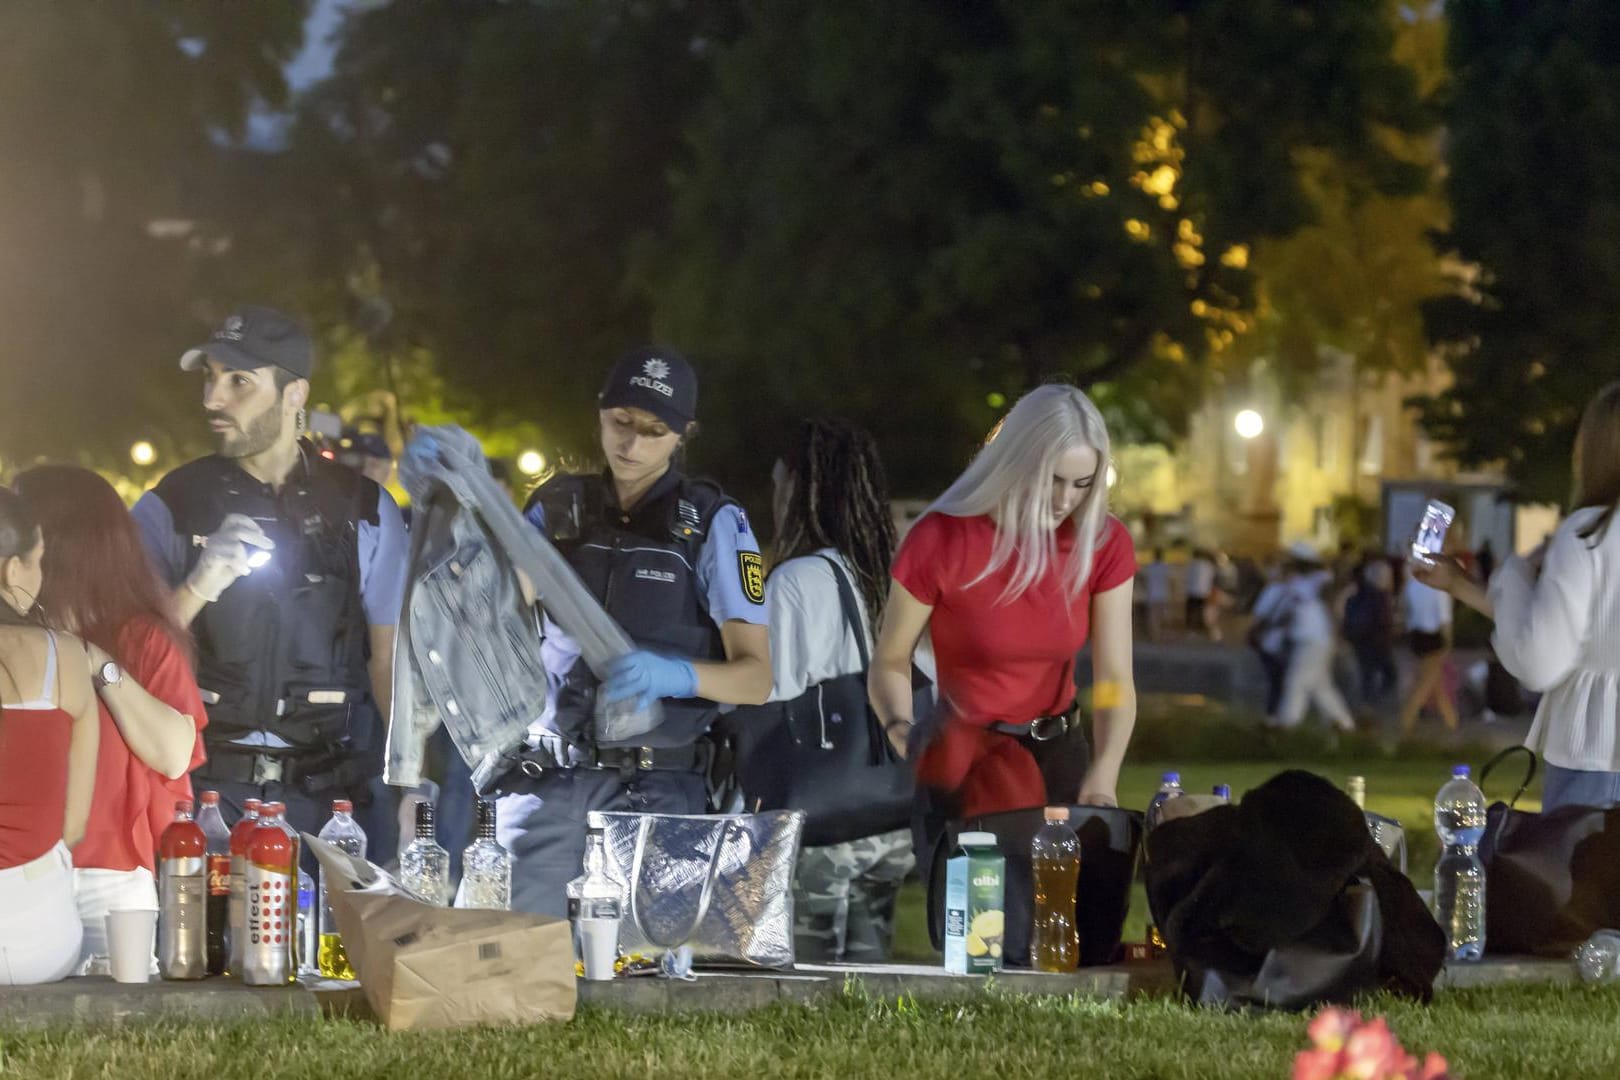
(675, 563)
(289, 569)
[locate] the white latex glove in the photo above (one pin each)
(225, 556)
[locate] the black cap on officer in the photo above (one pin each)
(656, 379)
(255, 337)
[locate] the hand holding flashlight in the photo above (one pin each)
(235, 548)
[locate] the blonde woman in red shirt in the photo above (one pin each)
(1011, 572)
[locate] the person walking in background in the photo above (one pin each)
(99, 585)
(1369, 627)
(1200, 584)
(1311, 645)
(1557, 614)
(1268, 631)
(1158, 579)
(831, 510)
(1427, 614)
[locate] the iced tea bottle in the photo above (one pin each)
(1054, 939)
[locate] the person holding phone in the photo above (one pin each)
(1557, 614)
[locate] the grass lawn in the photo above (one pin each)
(1519, 1033)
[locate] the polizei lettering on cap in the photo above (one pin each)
(653, 385)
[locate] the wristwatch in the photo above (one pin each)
(108, 674)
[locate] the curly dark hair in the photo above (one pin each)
(840, 499)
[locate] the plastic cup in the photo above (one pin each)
(130, 934)
(599, 944)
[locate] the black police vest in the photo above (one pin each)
(642, 566)
(284, 648)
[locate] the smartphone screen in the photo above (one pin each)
(1431, 535)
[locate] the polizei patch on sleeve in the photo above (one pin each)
(751, 571)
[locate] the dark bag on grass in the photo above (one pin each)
(1285, 901)
(1550, 879)
(1110, 843)
(825, 753)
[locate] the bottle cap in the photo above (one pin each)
(272, 808)
(1057, 813)
(342, 806)
(1172, 778)
(251, 805)
(977, 839)
(182, 806)
(1223, 791)
(1461, 770)
(210, 798)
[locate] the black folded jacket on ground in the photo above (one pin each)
(1286, 901)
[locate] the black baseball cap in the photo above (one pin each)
(255, 337)
(656, 379)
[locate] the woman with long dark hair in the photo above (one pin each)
(832, 514)
(99, 585)
(48, 737)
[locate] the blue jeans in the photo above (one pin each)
(1579, 787)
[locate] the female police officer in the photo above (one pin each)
(675, 564)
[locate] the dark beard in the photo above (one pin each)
(260, 435)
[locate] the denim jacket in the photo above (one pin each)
(467, 652)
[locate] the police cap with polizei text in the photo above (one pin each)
(656, 379)
(255, 337)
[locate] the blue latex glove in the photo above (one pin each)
(646, 677)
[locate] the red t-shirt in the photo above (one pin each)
(134, 803)
(999, 662)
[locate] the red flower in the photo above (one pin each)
(1317, 1065)
(1332, 1027)
(1346, 1048)
(1434, 1068)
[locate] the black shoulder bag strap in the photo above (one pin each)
(878, 741)
(1529, 773)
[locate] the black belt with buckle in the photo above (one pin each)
(1043, 728)
(310, 773)
(624, 759)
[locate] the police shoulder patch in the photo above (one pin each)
(751, 574)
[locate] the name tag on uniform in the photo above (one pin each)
(327, 697)
(666, 576)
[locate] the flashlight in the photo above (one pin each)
(258, 559)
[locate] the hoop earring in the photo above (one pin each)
(301, 421)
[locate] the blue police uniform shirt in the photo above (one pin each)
(717, 574)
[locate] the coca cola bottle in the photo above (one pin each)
(271, 899)
(236, 910)
(219, 878)
(182, 897)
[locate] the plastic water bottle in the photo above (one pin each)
(1459, 876)
(1597, 960)
(1169, 788)
(307, 924)
(1223, 792)
(345, 834)
(1054, 939)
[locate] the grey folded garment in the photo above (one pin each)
(449, 457)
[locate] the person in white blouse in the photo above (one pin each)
(1311, 643)
(831, 502)
(1557, 614)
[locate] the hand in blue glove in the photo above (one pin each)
(646, 677)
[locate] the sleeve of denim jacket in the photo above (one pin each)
(412, 718)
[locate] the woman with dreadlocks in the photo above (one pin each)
(831, 509)
(1011, 571)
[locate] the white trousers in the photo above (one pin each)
(39, 930)
(101, 891)
(1309, 680)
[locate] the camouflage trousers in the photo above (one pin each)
(844, 898)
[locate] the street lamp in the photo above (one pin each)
(531, 463)
(143, 453)
(1248, 424)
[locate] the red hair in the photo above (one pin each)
(98, 578)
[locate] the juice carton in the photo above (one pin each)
(975, 918)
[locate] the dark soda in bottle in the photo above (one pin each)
(219, 879)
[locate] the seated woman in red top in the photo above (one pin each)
(1010, 571)
(48, 735)
(99, 585)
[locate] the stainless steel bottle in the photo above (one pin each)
(271, 901)
(183, 897)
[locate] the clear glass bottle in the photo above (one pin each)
(343, 833)
(486, 867)
(424, 866)
(595, 908)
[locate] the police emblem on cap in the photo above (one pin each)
(655, 369)
(751, 572)
(231, 330)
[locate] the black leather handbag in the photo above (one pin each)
(825, 753)
(1551, 879)
(1110, 843)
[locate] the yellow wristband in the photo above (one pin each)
(1107, 695)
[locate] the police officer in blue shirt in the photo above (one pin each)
(289, 569)
(674, 562)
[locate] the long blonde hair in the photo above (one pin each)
(1597, 459)
(1011, 478)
